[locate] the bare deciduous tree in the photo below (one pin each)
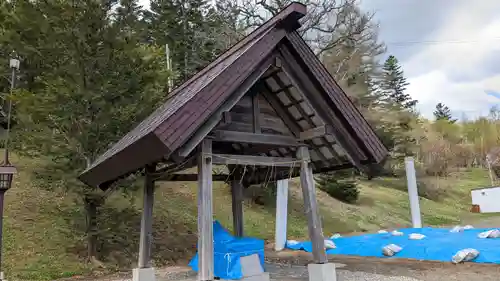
(327, 24)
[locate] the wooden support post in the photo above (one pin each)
(205, 213)
(147, 221)
(311, 207)
(281, 214)
(237, 204)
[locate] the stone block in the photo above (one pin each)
(322, 272)
(143, 274)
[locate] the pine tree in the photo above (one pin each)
(194, 32)
(97, 82)
(443, 112)
(393, 84)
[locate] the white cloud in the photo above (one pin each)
(433, 71)
(462, 97)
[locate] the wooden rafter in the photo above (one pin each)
(306, 117)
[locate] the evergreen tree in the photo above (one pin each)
(393, 84)
(442, 112)
(97, 82)
(194, 31)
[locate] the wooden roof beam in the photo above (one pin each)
(191, 177)
(243, 137)
(231, 159)
(317, 132)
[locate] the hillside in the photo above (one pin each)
(44, 230)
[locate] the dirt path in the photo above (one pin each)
(291, 266)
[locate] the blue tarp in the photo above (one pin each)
(227, 252)
(438, 245)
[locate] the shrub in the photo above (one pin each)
(344, 190)
(431, 189)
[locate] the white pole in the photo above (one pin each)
(281, 214)
(413, 193)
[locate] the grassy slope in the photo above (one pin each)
(43, 230)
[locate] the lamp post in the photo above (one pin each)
(7, 170)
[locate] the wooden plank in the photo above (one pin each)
(342, 136)
(352, 115)
(231, 159)
(280, 110)
(315, 133)
(192, 177)
(305, 116)
(244, 127)
(226, 117)
(205, 103)
(205, 213)
(256, 113)
(244, 137)
(311, 206)
(237, 206)
(146, 221)
(162, 173)
(229, 103)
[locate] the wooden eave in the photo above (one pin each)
(300, 103)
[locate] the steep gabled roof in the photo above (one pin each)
(183, 119)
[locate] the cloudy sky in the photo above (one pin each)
(449, 49)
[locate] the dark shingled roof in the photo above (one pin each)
(168, 129)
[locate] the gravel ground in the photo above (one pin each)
(293, 273)
(291, 266)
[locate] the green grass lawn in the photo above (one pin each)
(43, 232)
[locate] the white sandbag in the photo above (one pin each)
(397, 233)
(329, 244)
(416, 236)
(465, 255)
(335, 236)
(292, 242)
(383, 231)
(457, 229)
(391, 249)
(468, 227)
(494, 233)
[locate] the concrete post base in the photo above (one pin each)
(322, 272)
(143, 274)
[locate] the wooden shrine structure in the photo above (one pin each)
(266, 104)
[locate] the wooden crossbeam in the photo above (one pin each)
(315, 133)
(191, 177)
(243, 137)
(231, 159)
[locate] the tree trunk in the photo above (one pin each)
(91, 230)
(92, 202)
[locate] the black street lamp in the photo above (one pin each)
(7, 171)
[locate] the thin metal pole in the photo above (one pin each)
(2, 193)
(7, 135)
